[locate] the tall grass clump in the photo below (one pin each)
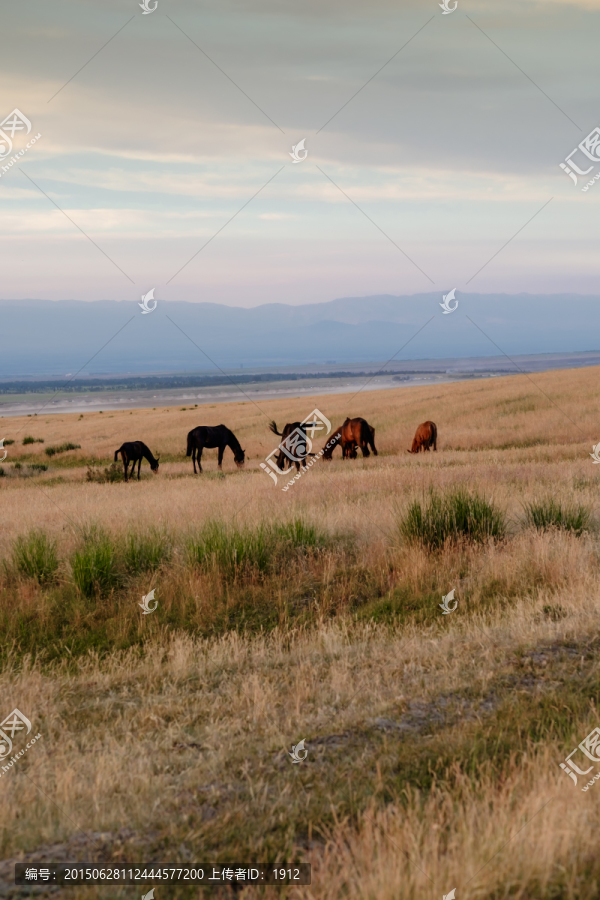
(35, 556)
(61, 448)
(110, 475)
(551, 513)
(454, 516)
(299, 535)
(237, 550)
(94, 565)
(28, 439)
(230, 549)
(146, 552)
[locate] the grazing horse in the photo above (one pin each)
(283, 460)
(425, 438)
(352, 434)
(133, 452)
(213, 436)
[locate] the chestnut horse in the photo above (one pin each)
(213, 436)
(353, 433)
(425, 438)
(133, 452)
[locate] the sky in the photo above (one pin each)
(433, 148)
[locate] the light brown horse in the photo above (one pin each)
(425, 438)
(352, 434)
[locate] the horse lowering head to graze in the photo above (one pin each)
(214, 436)
(133, 452)
(334, 441)
(425, 438)
(283, 460)
(353, 433)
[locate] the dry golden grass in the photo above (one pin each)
(434, 743)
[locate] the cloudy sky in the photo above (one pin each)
(450, 147)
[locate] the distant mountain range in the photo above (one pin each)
(56, 338)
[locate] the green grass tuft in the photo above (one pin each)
(110, 475)
(35, 556)
(31, 440)
(146, 552)
(454, 516)
(61, 448)
(233, 550)
(94, 565)
(38, 467)
(551, 513)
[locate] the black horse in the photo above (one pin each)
(133, 452)
(213, 436)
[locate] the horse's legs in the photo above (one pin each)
(220, 459)
(200, 449)
(125, 463)
(139, 466)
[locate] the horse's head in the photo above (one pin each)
(154, 465)
(240, 458)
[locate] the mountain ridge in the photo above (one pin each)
(56, 337)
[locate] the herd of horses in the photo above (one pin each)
(350, 436)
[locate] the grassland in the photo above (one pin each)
(434, 740)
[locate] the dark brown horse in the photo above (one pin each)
(133, 452)
(283, 460)
(425, 438)
(213, 436)
(353, 433)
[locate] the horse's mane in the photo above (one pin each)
(232, 440)
(147, 454)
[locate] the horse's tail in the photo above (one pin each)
(190, 445)
(273, 428)
(117, 453)
(372, 430)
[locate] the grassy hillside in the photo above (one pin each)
(434, 741)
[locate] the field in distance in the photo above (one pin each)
(434, 741)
